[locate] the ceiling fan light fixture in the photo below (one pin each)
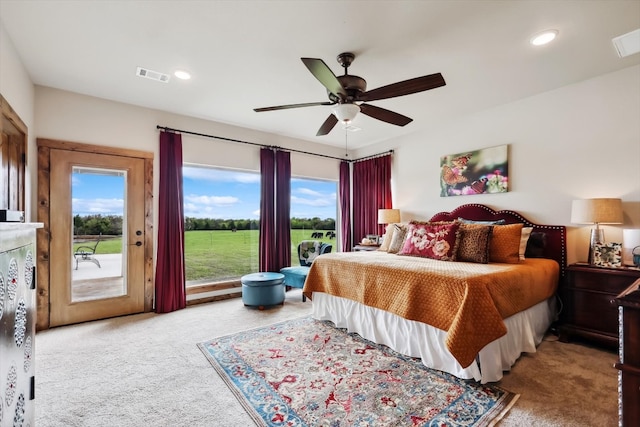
(544, 37)
(346, 112)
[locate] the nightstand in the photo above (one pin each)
(586, 295)
(366, 247)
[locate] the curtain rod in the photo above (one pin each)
(269, 146)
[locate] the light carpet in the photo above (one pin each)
(146, 370)
(306, 372)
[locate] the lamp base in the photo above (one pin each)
(597, 236)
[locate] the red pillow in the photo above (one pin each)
(432, 240)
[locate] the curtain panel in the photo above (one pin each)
(267, 238)
(170, 292)
(275, 206)
(345, 207)
(283, 210)
(371, 191)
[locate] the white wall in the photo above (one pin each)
(580, 141)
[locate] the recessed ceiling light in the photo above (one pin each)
(182, 75)
(544, 37)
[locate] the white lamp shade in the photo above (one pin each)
(596, 211)
(346, 112)
(388, 216)
(630, 240)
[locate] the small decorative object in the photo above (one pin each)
(631, 246)
(607, 254)
(636, 256)
(371, 239)
(475, 172)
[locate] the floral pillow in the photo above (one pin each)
(432, 240)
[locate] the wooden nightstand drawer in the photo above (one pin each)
(594, 311)
(604, 280)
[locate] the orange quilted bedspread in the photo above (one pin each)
(467, 300)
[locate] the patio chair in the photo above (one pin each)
(87, 253)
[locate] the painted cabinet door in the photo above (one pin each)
(17, 324)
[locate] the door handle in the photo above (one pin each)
(138, 243)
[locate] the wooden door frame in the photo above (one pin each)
(17, 131)
(44, 215)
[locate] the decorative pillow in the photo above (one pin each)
(536, 245)
(474, 243)
(434, 240)
(471, 221)
(309, 251)
(505, 243)
(397, 240)
(386, 239)
(524, 238)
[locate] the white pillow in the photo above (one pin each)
(386, 239)
(524, 238)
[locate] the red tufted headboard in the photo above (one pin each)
(555, 236)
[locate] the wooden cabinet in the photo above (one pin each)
(17, 323)
(586, 296)
(628, 304)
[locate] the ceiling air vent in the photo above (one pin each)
(627, 44)
(153, 75)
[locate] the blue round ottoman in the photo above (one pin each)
(262, 289)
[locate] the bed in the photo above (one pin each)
(470, 319)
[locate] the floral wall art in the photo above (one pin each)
(475, 172)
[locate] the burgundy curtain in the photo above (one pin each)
(283, 209)
(267, 239)
(275, 204)
(345, 207)
(371, 191)
(170, 273)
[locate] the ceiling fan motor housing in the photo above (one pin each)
(353, 85)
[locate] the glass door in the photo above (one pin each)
(97, 242)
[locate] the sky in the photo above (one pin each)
(208, 193)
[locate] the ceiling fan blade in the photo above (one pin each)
(385, 115)
(327, 125)
(323, 73)
(286, 107)
(405, 87)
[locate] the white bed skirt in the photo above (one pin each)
(525, 331)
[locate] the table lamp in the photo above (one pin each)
(388, 216)
(596, 211)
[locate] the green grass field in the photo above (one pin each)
(218, 255)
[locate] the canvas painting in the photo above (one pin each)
(475, 172)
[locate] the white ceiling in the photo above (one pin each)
(246, 54)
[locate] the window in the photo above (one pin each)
(222, 212)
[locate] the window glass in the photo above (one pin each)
(222, 212)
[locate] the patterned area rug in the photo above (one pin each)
(306, 372)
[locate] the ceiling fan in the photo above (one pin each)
(348, 90)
